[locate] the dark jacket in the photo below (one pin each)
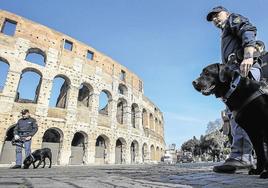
(264, 64)
(26, 127)
(237, 34)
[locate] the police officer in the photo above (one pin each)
(24, 130)
(238, 41)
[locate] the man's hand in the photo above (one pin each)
(28, 138)
(16, 137)
(245, 66)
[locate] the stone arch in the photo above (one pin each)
(121, 113)
(85, 96)
(53, 138)
(159, 127)
(36, 56)
(134, 151)
(157, 154)
(29, 86)
(78, 148)
(145, 152)
(134, 115)
(122, 89)
(120, 151)
(102, 149)
(156, 125)
(145, 118)
(60, 91)
(8, 150)
(151, 121)
(4, 69)
(152, 151)
(104, 102)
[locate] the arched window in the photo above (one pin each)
(104, 101)
(84, 95)
(144, 118)
(4, 67)
(36, 56)
(59, 93)
(122, 89)
(134, 115)
(151, 122)
(29, 86)
(121, 111)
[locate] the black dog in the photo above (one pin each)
(247, 99)
(38, 155)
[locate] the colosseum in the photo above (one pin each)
(100, 114)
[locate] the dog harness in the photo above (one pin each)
(233, 86)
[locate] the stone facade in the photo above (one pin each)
(137, 138)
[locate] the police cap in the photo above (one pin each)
(214, 11)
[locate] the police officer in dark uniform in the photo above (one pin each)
(237, 42)
(24, 130)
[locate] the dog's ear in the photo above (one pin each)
(222, 73)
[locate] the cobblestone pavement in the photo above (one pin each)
(127, 176)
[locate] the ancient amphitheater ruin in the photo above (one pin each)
(126, 127)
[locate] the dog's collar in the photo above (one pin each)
(233, 87)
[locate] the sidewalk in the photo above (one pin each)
(128, 176)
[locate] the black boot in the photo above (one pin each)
(15, 167)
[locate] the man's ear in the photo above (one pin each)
(222, 73)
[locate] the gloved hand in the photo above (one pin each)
(16, 137)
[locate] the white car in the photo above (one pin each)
(168, 159)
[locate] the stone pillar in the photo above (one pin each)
(44, 95)
(91, 149)
(10, 90)
(128, 153)
(139, 153)
(113, 110)
(94, 100)
(72, 103)
(112, 153)
(65, 152)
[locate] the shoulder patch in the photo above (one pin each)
(237, 20)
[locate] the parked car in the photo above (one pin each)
(168, 159)
(185, 158)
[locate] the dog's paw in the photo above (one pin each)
(254, 171)
(264, 175)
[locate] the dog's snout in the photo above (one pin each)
(195, 82)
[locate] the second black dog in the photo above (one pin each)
(38, 155)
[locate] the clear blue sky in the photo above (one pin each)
(165, 42)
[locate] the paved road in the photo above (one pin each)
(127, 176)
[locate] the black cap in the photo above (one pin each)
(214, 11)
(24, 111)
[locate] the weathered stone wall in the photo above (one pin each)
(101, 73)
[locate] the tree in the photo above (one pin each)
(212, 126)
(189, 145)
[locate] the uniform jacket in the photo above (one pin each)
(237, 34)
(26, 127)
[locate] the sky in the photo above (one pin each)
(165, 42)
